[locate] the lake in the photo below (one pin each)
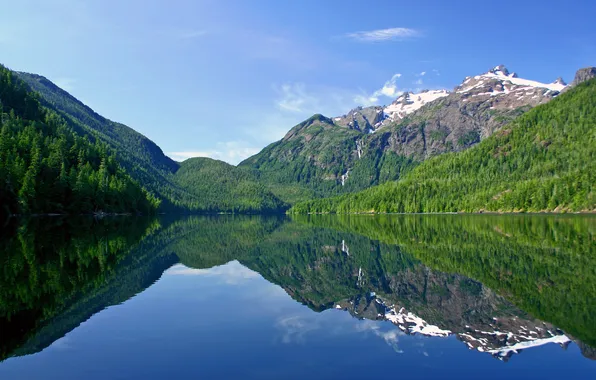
(316, 297)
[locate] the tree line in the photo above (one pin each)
(45, 167)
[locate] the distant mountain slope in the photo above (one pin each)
(221, 186)
(368, 146)
(544, 160)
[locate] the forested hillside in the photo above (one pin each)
(220, 186)
(323, 157)
(58, 155)
(141, 157)
(196, 185)
(543, 161)
(47, 168)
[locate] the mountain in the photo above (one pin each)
(372, 145)
(220, 186)
(46, 167)
(319, 157)
(197, 185)
(545, 160)
(141, 157)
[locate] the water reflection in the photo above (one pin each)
(499, 284)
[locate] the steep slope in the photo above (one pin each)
(210, 187)
(47, 168)
(141, 157)
(309, 161)
(544, 160)
(373, 145)
(219, 186)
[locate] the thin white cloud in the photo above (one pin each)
(389, 89)
(189, 34)
(67, 84)
(418, 82)
(301, 101)
(294, 98)
(231, 152)
(383, 34)
(423, 73)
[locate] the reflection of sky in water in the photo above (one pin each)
(227, 321)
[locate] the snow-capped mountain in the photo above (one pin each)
(409, 102)
(325, 152)
(499, 87)
(510, 80)
(506, 90)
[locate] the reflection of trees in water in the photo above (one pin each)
(56, 277)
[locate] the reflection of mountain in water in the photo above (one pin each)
(330, 263)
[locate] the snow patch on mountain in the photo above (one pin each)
(410, 102)
(502, 74)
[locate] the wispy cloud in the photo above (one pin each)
(67, 84)
(301, 100)
(231, 152)
(294, 98)
(189, 34)
(389, 89)
(390, 34)
(181, 34)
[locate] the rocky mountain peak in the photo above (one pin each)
(560, 81)
(500, 70)
(583, 75)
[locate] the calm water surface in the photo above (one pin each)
(313, 297)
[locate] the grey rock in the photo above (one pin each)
(364, 119)
(583, 75)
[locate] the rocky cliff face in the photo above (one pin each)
(363, 119)
(583, 75)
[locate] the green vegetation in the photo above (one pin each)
(313, 156)
(196, 185)
(141, 157)
(47, 168)
(543, 161)
(57, 155)
(220, 186)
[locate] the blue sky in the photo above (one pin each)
(224, 78)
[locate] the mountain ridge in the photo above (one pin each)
(367, 146)
(321, 156)
(542, 161)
